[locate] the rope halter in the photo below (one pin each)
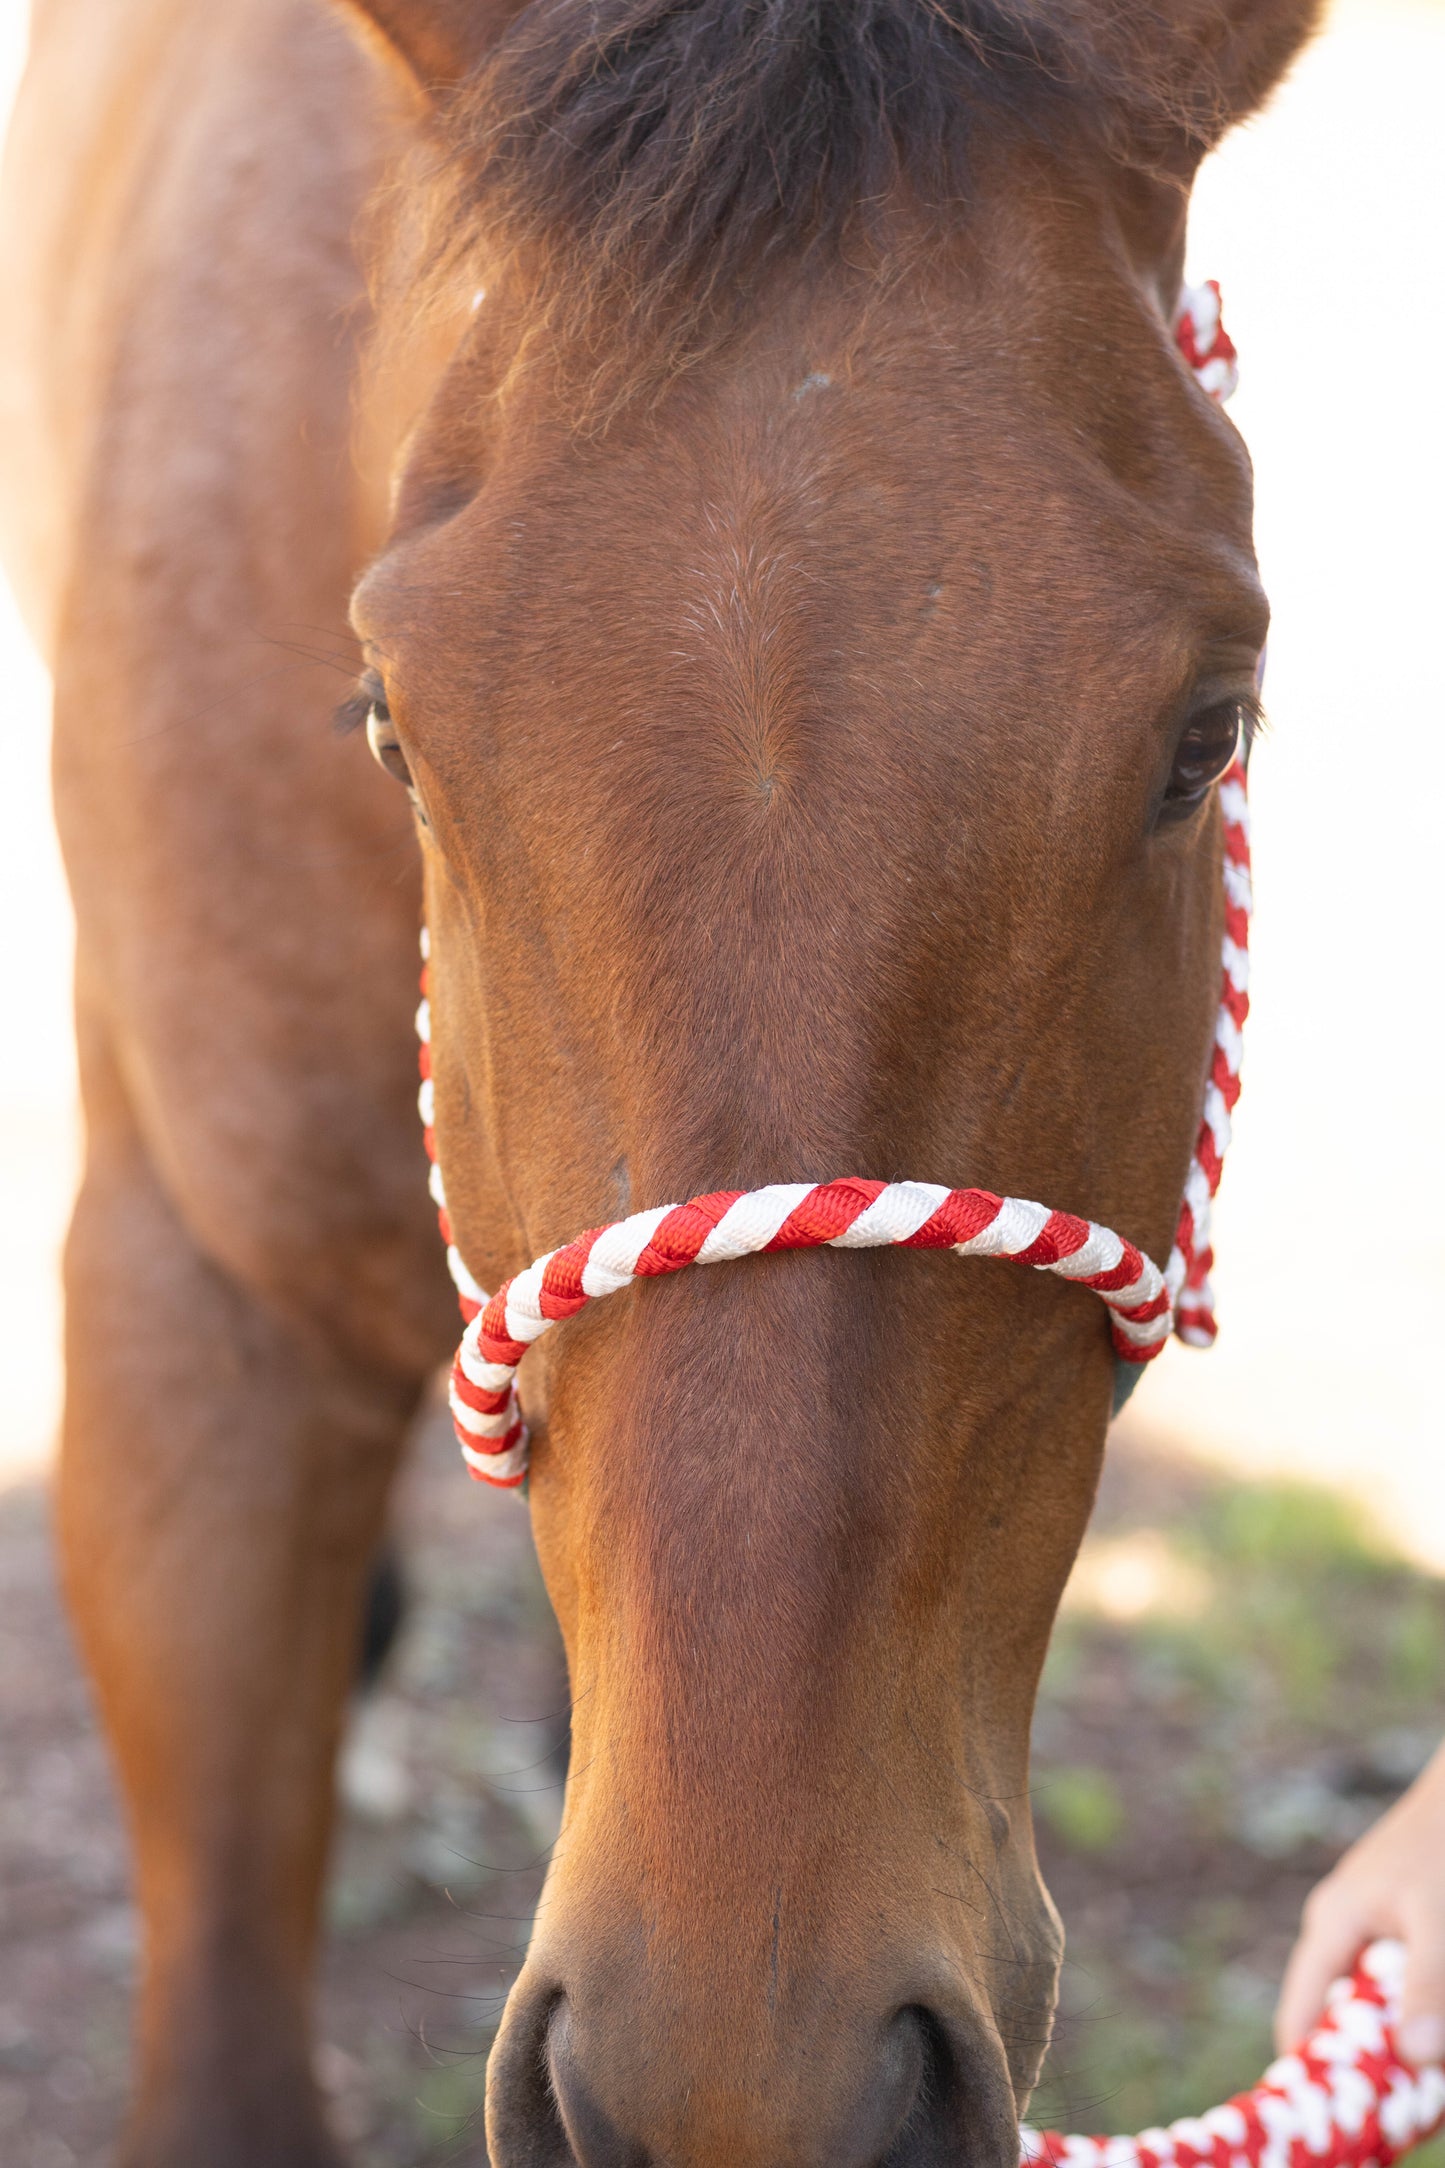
(1145, 1305)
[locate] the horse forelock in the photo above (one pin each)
(632, 170)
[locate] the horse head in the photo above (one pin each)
(818, 607)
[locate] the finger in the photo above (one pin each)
(1327, 1948)
(1421, 2032)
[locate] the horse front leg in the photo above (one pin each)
(223, 1484)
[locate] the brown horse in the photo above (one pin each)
(814, 602)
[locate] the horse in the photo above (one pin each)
(806, 605)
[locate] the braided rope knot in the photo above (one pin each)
(1345, 2099)
(1144, 1304)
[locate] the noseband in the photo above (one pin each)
(1145, 1305)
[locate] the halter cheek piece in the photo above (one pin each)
(1345, 2099)
(1144, 1304)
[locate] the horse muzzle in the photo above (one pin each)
(601, 2080)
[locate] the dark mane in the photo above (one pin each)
(645, 161)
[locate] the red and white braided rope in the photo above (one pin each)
(1190, 1261)
(1343, 2100)
(1144, 1304)
(1202, 339)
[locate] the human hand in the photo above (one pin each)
(1392, 1882)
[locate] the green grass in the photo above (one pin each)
(1195, 1775)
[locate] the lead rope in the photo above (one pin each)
(1345, 2099)
(1144, 1304)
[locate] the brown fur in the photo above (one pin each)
(792, 752)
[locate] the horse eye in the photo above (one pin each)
(1204, 753)
(382, 738)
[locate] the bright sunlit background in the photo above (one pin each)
(1324, 223)
(38, 1144)
(1242, 1675)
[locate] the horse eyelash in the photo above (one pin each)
(351, 713)
(367, 693)
(1256, 720)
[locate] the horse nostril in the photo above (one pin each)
(937, 2126)
(524, 2127)
(889, 2108)
(594, 2140)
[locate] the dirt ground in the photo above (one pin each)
(1242, 1677)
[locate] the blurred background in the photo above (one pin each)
(1251, 1659)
